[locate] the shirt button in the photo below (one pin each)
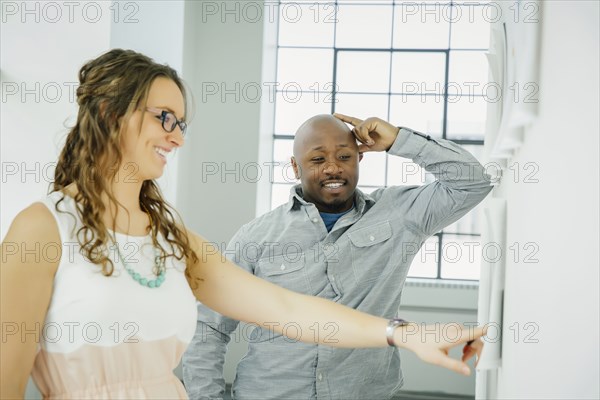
(371, 238)
(282, 267)
(332, 278)
(315, 220)
(320, 377)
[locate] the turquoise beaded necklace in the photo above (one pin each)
(159, 268)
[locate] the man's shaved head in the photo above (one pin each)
(321, 124)
(326, 162)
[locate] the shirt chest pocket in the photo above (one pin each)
(287, 271)
(371, 251)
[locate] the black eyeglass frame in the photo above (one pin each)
(163, 117)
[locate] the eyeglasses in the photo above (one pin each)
(168, 119)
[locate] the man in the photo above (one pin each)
(333, 241)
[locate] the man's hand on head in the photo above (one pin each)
(374, 134)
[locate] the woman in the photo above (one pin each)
(108, 291)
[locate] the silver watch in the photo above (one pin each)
(391, 327)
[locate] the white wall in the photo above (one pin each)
(560, 294)
(225, 130)
(154, 28)
(40, 55)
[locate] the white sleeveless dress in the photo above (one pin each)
(110, 337)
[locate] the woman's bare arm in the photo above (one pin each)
(233, 292)
(29, 261)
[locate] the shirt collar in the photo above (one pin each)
(361, 200)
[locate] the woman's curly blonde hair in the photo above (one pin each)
(111, 87)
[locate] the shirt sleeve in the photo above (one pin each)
(205, 356)
(461, 181)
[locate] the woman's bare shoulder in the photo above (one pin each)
(35, 223)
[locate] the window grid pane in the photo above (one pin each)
(418, 80)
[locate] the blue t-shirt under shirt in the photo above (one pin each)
(330, 219)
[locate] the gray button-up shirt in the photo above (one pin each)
(361, 263)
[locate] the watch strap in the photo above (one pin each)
(391, 328)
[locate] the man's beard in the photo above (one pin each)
(336, 205)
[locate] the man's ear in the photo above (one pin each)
(360, 157)
(295, 167)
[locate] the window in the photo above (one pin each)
(416, 64)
